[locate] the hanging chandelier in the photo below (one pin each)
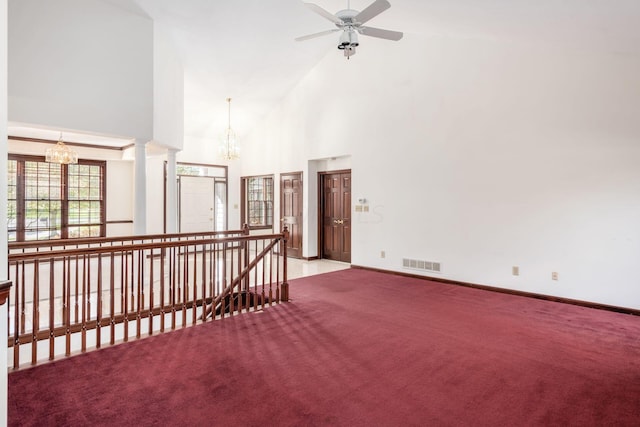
(229, 149)
(61, 153)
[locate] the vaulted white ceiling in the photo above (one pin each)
(245, 49)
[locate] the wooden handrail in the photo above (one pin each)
(95, 250)
(103, 240)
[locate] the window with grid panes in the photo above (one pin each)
(53, 201)
(258, 201)
(42, 200)
(85, 200)
(12, 196)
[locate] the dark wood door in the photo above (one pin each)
(336, 216)
(291, 211)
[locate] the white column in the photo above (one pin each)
(172, 192)
(140, 205)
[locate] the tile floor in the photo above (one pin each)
(300, 268)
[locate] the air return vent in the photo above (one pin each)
(416, 264)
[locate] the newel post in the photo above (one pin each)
(285, 284)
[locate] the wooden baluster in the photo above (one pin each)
(185, 286)
(132, 272)
(271, 277)
(213, 272)
(255, 282)
(87, 294)
(67, 303)
(247, 278)
(84, 303)
(162, 278)
(23, 290)
(77, 293)
(141, 295)
(172, 284)
(242, 283)
(265, 276)
(52, 301)
(204, 283)
(194, 318)
(123, 287)
(151, 293)
(223, 279)
(179, 274)
(64, 290)
(278, 276)
(18, 317)
(139, 300)
(99, 304)
(112, 299)
(125, 306)
(36, 312)
(231, 276)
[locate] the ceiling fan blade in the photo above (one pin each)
(380, 33)
(373, 10)
(320, 11)
(314, 35)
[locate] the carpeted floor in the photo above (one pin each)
(357, 348)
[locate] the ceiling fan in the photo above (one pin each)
(350, 22)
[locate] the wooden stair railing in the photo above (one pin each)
(72, 300)
(241, 278)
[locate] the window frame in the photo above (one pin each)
(267, 202)
(21, 199)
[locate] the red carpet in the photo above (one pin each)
(357, 348)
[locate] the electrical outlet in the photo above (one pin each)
(554, 276)
(383, 254)
(515, 270)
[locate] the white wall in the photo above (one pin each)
(4, 274)
(481, 155)
(168, 92)
(81, 64)
(120, 197)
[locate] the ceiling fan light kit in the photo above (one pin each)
(350, 21)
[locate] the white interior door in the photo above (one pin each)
(197, 204)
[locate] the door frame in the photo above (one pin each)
(320, 203)
(177, 207)
(280, 212)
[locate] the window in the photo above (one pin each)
(257, 201)
(85, 212)
(12, 195)
(53, 201)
